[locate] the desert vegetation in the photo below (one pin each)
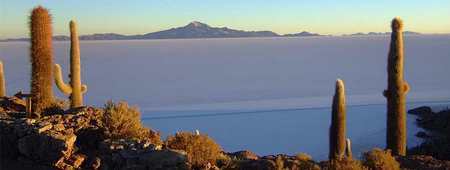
(337, 128)
(122, 121)
(396, 92)
(380, 159)
(201, 149)
(117, 139)
(75, 90)
(41, 58)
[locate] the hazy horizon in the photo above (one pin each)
(140, 17)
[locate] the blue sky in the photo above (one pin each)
(282, 16)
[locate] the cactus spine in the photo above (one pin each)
(75, 89)
(41, 59)
(2, 81)
(396, 92)
(337, 128)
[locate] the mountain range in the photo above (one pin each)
(192, 30)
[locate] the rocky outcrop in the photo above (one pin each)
(424, 162)
(436, 132)
(12, 104)
(36, 141)
(74, 140)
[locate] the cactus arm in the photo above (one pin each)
(66, 89)
(84, 88)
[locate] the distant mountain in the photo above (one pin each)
(302, 34)
(198, 30)
(380, 33)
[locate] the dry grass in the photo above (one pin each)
(123, 121)
(380, 159)
(200, 149)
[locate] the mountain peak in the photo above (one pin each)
(197, 24)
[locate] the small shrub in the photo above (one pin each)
(343, 164)
(380, 159)
(122, 121)
(200, 149)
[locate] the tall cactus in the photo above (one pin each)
(396, 92)
(41, 59)
(75, 89)
(337, 128)
(2, 81)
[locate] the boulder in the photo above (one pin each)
(49, 148)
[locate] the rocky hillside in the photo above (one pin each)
(73, 139)
(77, 139)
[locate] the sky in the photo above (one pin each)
(281, 16)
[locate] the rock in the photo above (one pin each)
(96, 163)
(90, 138)
(46, 148)
(59, 127)
(76, 160)
(244, 155)
(423, 162)
(8, 140)
(44, 128)
(424, 110)
(12, 104)
(68, 117)
(30, 121)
